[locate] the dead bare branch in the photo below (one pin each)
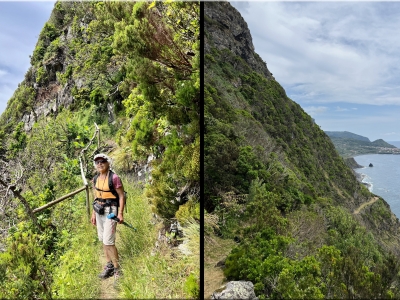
(24, 202)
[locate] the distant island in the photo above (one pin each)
(350, 144)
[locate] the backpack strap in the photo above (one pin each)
(94, 179)
(113, 190)
(111, 184)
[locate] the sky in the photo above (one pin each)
(340, 61)
(20, 26)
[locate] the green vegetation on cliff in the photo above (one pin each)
(278, 187)
(133, 69)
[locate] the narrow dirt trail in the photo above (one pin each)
(107, 285)
(214, 252)
(357, 211)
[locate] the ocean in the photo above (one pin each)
(383, 177)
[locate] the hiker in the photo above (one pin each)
(109, 198)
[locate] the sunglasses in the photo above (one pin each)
(101, 161)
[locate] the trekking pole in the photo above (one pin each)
(115, 218)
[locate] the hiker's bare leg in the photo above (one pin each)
(112, 254)
(106, 253)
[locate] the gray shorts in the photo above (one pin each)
(106, 228)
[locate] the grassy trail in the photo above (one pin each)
(107, 285)
(149, 272)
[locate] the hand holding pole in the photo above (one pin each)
(115, 218)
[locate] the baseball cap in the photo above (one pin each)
(101, 156)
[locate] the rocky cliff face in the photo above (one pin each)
(229, 31)
(351, 163)
(53, 94)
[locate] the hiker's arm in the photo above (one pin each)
(93, 218)
(121, 195)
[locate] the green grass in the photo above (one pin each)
(76, 275)
(153, 274)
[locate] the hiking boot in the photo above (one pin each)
(117, 275)
(108, 271)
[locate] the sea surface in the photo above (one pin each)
(383, 177)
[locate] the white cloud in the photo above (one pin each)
(330, 54)
(340, 109)
(332, 50)
(390, 133)
(315, 110)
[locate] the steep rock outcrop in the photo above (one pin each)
(231, 32)
(351, 163)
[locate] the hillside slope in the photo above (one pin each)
(277, 185)
(350, 147)
(347, 135)
(349, 144)
(128, 71)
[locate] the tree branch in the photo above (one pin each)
(18, 195)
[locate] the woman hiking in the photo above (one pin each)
(109, 198)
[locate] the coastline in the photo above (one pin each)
(360, 177)
(351, 162)
(382, 179)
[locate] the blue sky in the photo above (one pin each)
(20, 26)
(339, 60)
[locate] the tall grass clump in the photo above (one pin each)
(150, 273)
(132, 243)
(191, 247)
(76, 275)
